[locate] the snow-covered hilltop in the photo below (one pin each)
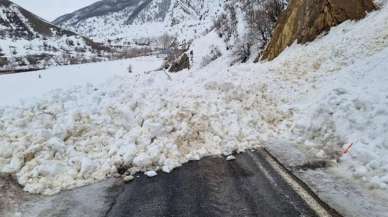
(27, 41)
(133, 20)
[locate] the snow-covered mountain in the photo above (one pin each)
(27, 41)
(132, 20)
(16, 23)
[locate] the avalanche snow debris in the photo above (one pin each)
(230, 158)
(147, 123)
(150, 173)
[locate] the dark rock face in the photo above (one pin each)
(182, 63)
(304, 20)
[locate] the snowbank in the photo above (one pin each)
(351, 109)
(339, 97)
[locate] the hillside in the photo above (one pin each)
(243, 26)
(132, 21)
(27, 41)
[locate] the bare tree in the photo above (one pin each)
(260, 16)
(167, 41)
(262, 19)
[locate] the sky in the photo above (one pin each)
(51, 9)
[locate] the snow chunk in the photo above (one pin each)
(230, 158)
(151, 173)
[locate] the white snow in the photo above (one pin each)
(230, 158)
(340, 97)
(203, 47)
(321, 97)
(151, 173)
(20, 47)
(24, 46)
(142, 120)
(128, 178)
(33, 85)
(351, 108)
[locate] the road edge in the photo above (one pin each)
(321, 208)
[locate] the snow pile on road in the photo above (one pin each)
(141, 122)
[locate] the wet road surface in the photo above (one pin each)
(213, 187)
(250, 186)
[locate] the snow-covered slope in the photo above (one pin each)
(27, 41)
(138, 19)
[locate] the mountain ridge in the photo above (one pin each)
(29, 42)
(103, 8)
(37, 24)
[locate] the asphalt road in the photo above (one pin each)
(250, 186)
(246, 187)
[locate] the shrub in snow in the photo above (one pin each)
(182, 63)
(129, 69)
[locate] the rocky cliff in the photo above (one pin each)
(304, 20)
